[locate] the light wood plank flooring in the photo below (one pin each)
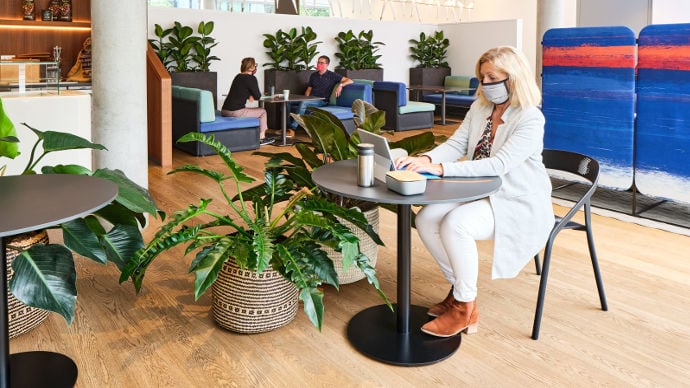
(163, 338)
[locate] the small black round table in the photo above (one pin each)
(27, 203)
(376, 331)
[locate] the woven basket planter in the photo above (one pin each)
(366, 246)
(245, 302)
(22, 318)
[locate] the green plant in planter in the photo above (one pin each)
(44, 275)
(430, 51)
(357, 52)
(180, 50)
(291, 50)
(251, 230)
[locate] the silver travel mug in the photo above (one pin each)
(365, 164)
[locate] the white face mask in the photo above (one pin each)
(496, 92)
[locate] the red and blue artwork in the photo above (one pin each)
(662, 151)
(588, 88)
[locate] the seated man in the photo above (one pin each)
(321, 84)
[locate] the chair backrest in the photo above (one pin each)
(398, 87)
(572, 162)
(350, 93)
(462, 81)
(207, 110)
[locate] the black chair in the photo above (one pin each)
(587, 168)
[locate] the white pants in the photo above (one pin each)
(450, 232)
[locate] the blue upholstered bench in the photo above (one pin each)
(401, 114)
(462, 98)
(193, 111)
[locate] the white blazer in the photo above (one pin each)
(523, 214)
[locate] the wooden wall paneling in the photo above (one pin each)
(159, 110)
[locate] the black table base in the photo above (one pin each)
(42, 369)
(374, 332)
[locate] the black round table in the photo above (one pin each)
(27, 203)
(376, 331)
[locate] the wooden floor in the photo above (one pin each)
(163, 338)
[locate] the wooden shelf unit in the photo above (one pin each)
(21, 36)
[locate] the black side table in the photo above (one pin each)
(27, 203)
(376, 331)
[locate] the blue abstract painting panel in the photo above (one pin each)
(588, 87)
(662, 153)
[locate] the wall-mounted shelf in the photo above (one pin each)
(43, 24)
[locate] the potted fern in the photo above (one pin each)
(277, 229)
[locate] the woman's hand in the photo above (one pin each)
(418, 164)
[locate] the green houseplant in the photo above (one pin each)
(291, 50)
(330, 141)
(256, 233)
(430, 52)
(358, 55)
(291, 54)
(186, 53)
(180, 50)
(44, 275)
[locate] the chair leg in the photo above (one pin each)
(542, 289)
(593, 256)
(537, 264)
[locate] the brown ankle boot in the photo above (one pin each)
(461, 316)
(439, 308)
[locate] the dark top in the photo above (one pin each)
(322, 85)
(243, 86)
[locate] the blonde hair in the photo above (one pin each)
(522, 86)
(247, 64)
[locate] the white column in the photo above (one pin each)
(550, 14)
(118, 116)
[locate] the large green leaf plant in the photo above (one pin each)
(431, 51)
(45, 275)
(278, 224)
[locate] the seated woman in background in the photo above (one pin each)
(244, 90)
(501, 135)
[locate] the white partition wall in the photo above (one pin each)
(241, 35)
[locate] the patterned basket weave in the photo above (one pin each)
(21, 317)
(245, 302)
(366, 246)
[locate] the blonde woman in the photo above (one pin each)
(501, 135)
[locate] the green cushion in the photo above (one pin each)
(364, 81)
(207, 110)
(416, 106)
(457, 81)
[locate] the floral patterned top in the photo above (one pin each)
(483, 148)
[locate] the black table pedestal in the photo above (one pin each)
(42, 369)
(374, 332)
